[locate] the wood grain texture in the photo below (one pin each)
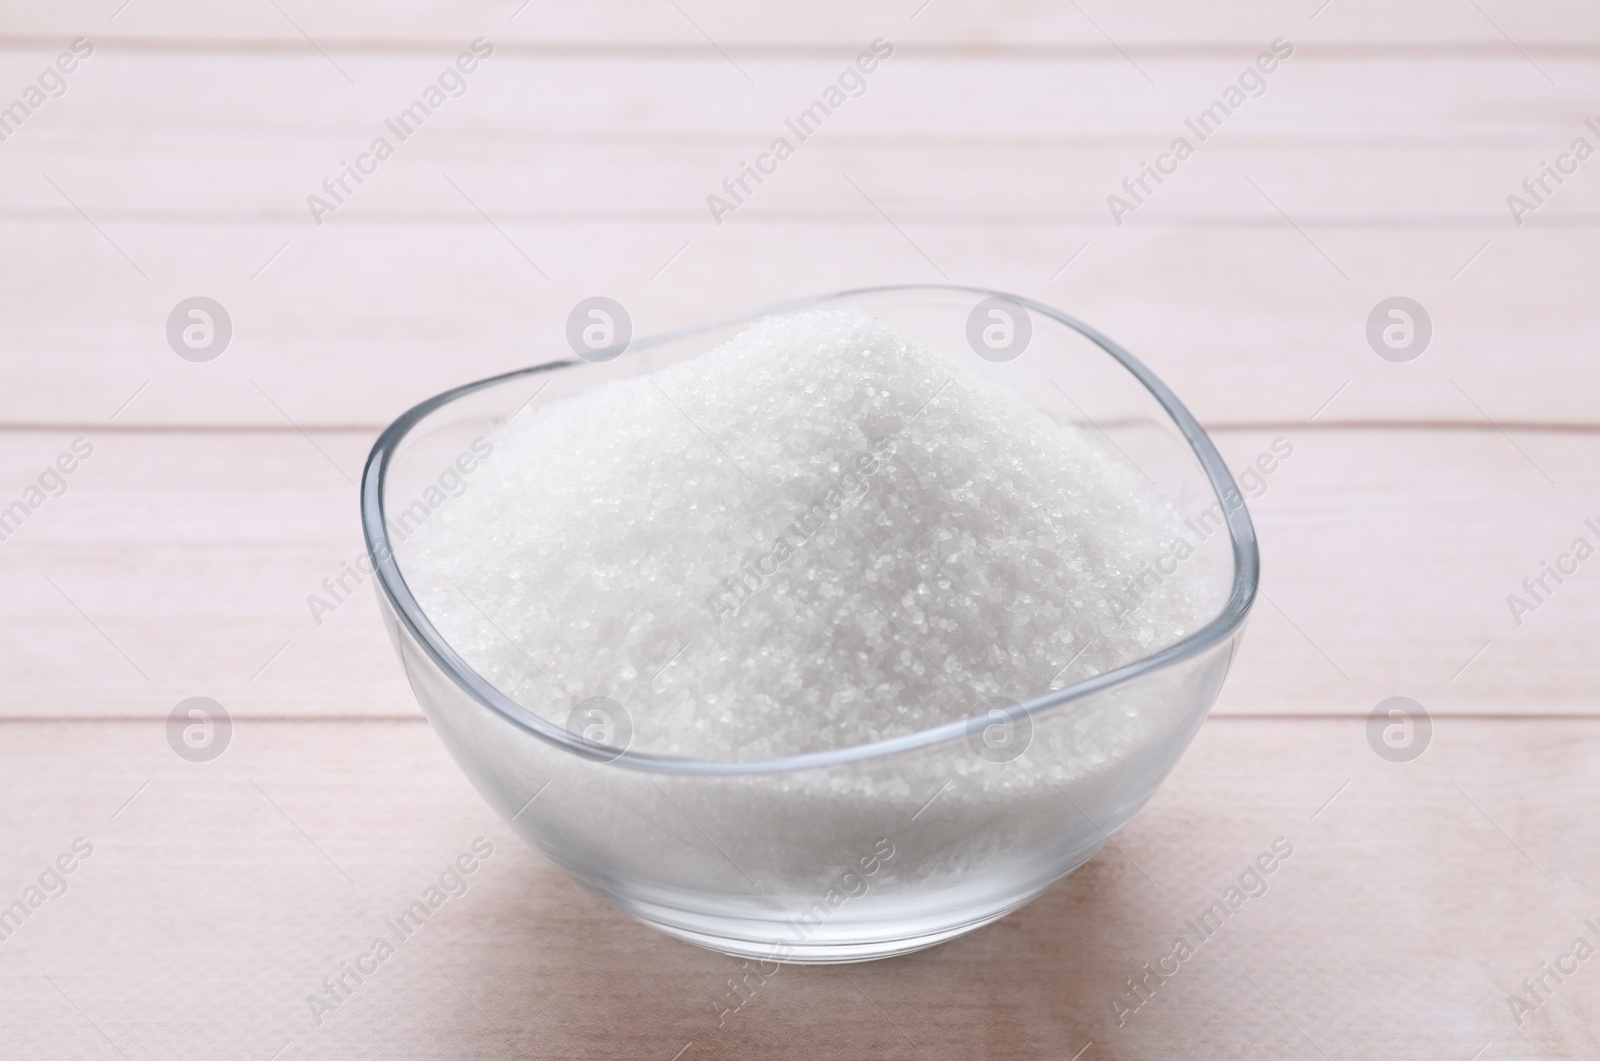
(1429, 23)
(218, 496)
(355, 323)
(298, 102)
(1246, 279)
(1412, 904)
(179, 564)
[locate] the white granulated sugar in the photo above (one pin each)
(822, 533)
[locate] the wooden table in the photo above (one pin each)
(1377, 161)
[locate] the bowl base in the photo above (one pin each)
(860, 943)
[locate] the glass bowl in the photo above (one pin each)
(858, 852)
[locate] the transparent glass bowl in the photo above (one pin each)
(860, 852)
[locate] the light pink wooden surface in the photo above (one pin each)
(219, 495)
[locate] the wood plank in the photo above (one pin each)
(1000, 180)
(1210, 280)
(293, 101)
(731, 25)
(351, 324)
(1388, 560)
(218, 496)
(181, 565)
(178, 565)
(245, 881)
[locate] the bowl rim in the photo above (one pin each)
(408, 611)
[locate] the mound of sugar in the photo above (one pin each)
(822, 533)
